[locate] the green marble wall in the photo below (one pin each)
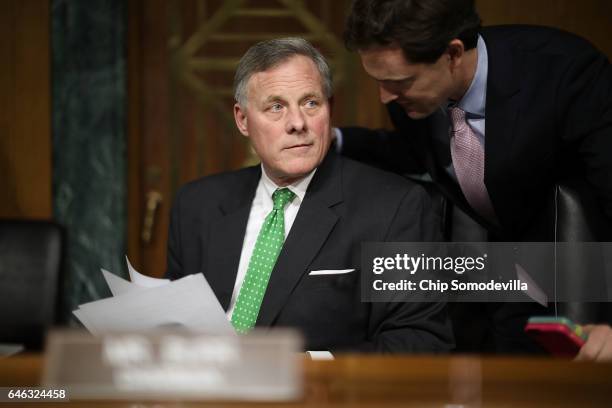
(89, 141)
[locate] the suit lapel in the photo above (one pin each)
(503, 91)
(314, 222)
(226, 237)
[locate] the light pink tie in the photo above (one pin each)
(468, 160)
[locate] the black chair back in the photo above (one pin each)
(572, 214)
(580, 218)
(30, 277)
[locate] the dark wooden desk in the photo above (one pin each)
(375, 381)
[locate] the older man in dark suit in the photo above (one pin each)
(280, 243)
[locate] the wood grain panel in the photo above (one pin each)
(134, 136)
(25, 124)
(371, 381)
(588, 18)
(154, 115)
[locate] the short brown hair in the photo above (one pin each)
(422, 28)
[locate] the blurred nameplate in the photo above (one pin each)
(262, 366)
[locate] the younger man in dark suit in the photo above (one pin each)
(280, 243)
(495, 116)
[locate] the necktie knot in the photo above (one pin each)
(281, 197)
(457, 116)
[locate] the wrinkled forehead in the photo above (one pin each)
(290, 76)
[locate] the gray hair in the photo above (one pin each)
(270, 53)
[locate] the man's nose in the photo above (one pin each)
(296, 122)
(386, 96)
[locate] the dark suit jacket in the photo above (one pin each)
(346, 204)
(548, 115)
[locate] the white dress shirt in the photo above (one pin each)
(262, 205)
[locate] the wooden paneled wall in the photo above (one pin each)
(25, 122)
(592, 19)
(158, 102)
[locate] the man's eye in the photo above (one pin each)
(312, 103)
(277, 107)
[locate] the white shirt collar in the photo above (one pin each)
(298, 188)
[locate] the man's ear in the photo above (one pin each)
(456, 51)
(241, 119)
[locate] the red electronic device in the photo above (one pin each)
(558, 335)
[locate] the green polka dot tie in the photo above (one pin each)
(267, 247)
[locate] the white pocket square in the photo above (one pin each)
(331, 272)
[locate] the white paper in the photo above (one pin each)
(82, 316)
(188, 302)
(144, 280)
(117, 285)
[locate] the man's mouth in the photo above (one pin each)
(299, 146)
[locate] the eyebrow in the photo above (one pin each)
(273, 98)
(311, 95)
(278, 98)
